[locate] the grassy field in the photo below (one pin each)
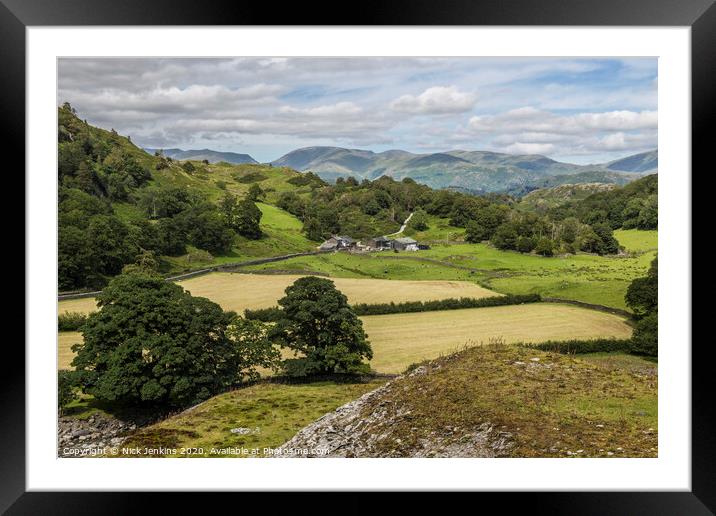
(439, 230)
(637, 241)
(582, 277)
(623, 362)
(593, 279)
(209, 178)
(272, 413)
(399, 340)
(282, 234)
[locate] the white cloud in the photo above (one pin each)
(530, 148)
(341, 109)
(616, 120)
(249, 104)
(529, 119)
(435, 101)
(528, 130)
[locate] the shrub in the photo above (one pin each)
(419, 220)
(645, 340)
(643, 293)
(255, 192)
(306, 178)
(525, 244)
(251, 177)
(272, 314)
(71, 321)
(475, 232)
(545, 247)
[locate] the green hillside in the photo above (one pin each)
(120, 206)
(545, 198)
(118, 203)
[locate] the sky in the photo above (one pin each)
(579, 110)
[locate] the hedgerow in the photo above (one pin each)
(274, 313)
(70, 321)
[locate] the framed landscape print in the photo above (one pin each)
(396, 253)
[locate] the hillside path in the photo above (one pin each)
(402, 228)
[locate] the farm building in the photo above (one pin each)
(346, 242)
(380, 242)
(405, 244)
(336, 243)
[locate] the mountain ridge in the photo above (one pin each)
(476, 171)
(480, 171)
(210, 155)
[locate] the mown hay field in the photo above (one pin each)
(235, 291)
(399, 340)
(65, 340)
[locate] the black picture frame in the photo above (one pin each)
(700, 15)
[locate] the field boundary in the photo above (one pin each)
(591, 306)
(273, 314)
(224, 267)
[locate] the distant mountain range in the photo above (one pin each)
(475, 171)
(646, 162)
(469, 171)
(205, 154)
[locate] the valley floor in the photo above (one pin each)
(613, 390)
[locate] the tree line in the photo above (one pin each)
(633, 206)
(370, 208)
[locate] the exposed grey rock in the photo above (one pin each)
(94, 433)
(363, 428)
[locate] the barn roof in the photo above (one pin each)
(406, 240)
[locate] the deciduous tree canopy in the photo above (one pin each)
(317, 322)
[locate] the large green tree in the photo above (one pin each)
(151, 342)
(318, 323)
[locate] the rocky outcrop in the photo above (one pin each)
(95, 435)
(375, 426)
